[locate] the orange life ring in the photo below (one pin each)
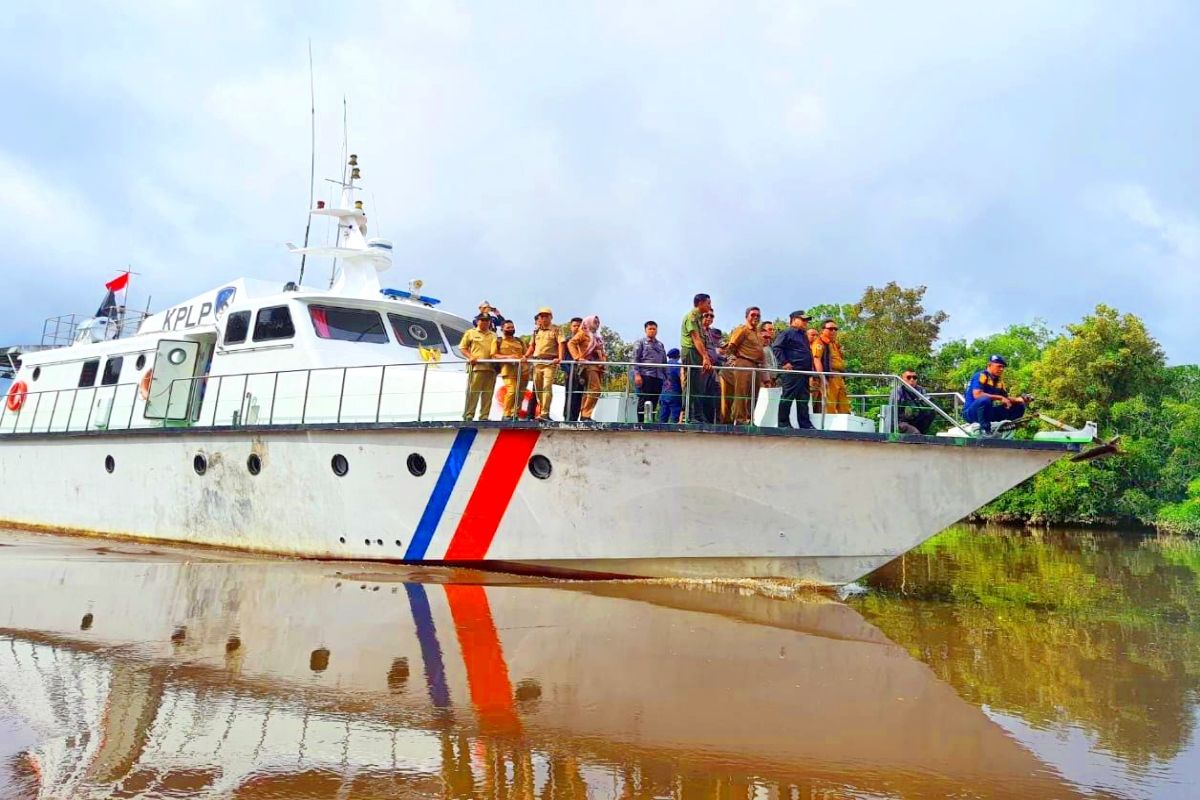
(502, 393)
(16, 395)
(144, 386)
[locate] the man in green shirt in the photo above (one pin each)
(697, 365)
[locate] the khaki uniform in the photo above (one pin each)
(510, 372)
(481, 378)
(829, 355)
(746, 348)
(588, 370)
(545, 347)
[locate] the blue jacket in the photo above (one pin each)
(672, 384)
(984, 381)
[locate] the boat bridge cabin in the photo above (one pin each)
(249, 350)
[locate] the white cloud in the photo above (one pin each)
(1177, 233)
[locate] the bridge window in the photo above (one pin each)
(87, 375)
(348, 324)
(273, 322)
(237, 325)
(414, 332)
(112, 371)
(455, 334)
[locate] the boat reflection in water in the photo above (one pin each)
(143, 672)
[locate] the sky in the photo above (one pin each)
(1021, 159)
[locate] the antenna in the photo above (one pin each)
(345, 163)
(312, 163)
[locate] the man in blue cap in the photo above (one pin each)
(987, 397)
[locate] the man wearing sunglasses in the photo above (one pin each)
(829, 358)
(912, 414)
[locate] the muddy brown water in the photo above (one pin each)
(986, 664)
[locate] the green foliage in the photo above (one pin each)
(902, 362)
(1106, 358)
(1021, 345)
(890, 321)
(1184, 516)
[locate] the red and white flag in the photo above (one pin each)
(118, 283)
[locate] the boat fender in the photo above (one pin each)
(144, 385)
(16, 395)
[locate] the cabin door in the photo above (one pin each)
(172, 387)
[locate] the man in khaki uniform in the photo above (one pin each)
(479, 344)
(829, 358)
(546, 345)
(746, 349)
(513, 371)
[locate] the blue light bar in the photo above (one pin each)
(406, 295)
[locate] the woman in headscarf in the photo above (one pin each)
(587, 348)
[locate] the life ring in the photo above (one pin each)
(522, 412)
(144, 385)
(16, 395)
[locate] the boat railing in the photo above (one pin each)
(864, 403)
(418, 391)
(66, 329)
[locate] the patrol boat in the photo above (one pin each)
(326, 423)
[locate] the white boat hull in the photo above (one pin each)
(621, 501)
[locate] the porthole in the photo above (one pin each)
(200, 464)
(37, 373)
(416, 464)
(318, 660)
(398, 543)
(110, 464)
(141, 362)
(367, 542)
(340, 465)
(342, 539)
(86, 623)
(539, 467)
(254, 464)
(379, 542)
(177, 356)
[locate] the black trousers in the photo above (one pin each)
(574, 398)
(921, 420)
(649, 393)
(795, 390)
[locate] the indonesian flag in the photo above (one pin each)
(118, 283)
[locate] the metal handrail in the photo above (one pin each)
(196, 403)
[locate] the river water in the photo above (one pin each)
(986, 664)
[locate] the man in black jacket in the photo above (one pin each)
(912, 414)
(793, 354)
